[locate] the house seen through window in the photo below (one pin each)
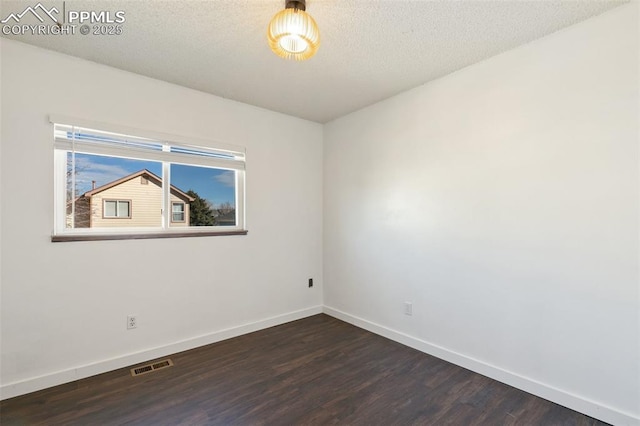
(109, 182)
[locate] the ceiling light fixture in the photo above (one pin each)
(292, 33)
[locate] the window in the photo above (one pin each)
(116, 209)
(163, 185)
(177, 212)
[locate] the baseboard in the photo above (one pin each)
(566, 399)
(22, 387)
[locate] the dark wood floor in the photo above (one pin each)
(314, 371)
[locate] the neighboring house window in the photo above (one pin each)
(117, 209)
(178, 188)
(177, 212)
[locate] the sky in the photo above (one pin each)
(215, 185)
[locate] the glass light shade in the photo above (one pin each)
(293, 34)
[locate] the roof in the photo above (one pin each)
(143, 172)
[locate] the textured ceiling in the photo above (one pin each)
(370, 49)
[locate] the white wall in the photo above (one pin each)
(502, 200)
(58, 315)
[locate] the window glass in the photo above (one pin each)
(97, 182)
(123, 208)
(110, 208)
(211, 192)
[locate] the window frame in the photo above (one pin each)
(187, 151)
(184, 212)
(117, 201)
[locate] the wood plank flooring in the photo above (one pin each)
(314, 371)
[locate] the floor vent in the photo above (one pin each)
(138, 371)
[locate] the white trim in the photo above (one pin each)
(84, 147)
(240, 200)
(59, 196)
(166, 196)
(144, 133)
(583, 405)
(22, 387)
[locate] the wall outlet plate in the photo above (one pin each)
(132, 322)
(408, 308)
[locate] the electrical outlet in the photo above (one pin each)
(408, 308)
(132, 322)
(310, 282)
